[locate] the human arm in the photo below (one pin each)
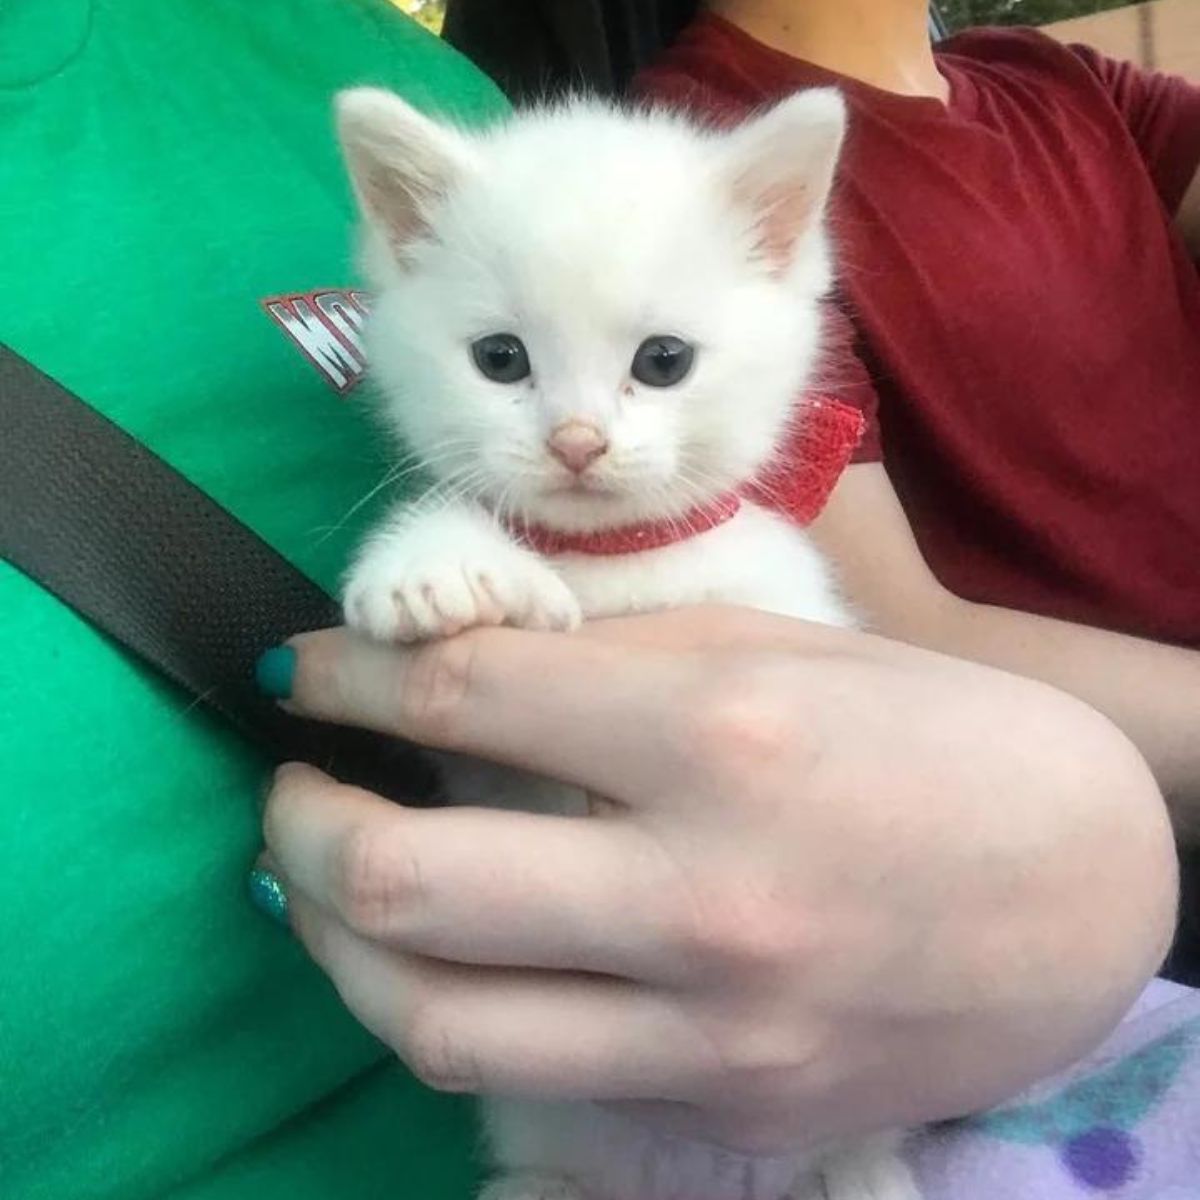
(1150, 690)
(1188, 216)
(1162, 113)
(837, 883)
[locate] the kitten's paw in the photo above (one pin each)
(811, 1187)
(870, 1177)
(394, 597)
(531, 1187)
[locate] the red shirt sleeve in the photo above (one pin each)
(1163, 114)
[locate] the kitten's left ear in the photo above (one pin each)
(401, 163)
(780, 166)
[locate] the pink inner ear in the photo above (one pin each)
(782, 210)
(405, 226)
(399, 215)
(396, 207)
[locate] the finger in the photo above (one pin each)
(265, 889)
(495, 1030)
(715, 627)
(554, 704)
(480, 886)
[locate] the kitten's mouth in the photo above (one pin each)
(582, 485)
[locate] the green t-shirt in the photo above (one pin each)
(176, 246)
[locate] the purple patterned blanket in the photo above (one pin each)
(1122, 1124)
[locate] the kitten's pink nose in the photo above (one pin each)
(577, 444)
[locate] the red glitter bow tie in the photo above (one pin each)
(796, 484)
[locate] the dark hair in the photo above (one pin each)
(534, 48)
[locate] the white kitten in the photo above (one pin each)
(592, 327)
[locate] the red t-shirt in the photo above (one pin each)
(1027, 321)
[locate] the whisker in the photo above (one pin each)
(441, 452)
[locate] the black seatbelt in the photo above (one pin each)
(112, 530)
(115, 532)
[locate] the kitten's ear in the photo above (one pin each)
(780, 166)
(400, 162)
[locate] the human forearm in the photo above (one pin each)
(1149, 690)
(1187, 219)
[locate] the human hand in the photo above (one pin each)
(829, 884)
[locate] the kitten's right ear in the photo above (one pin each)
(400, 162)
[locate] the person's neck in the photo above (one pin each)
(884, 43)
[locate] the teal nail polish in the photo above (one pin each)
(267, 895)
(274, 672)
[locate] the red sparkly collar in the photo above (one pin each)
(819, 445)
(629, 539)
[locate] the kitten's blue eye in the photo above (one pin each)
(662, 360)
(501, 357)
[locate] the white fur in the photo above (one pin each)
(583, 230)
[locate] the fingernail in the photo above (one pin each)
(274, 672)
(267, 894)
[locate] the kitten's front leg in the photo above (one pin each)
(873, 1169)
(435, 573)
(531, 1186)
